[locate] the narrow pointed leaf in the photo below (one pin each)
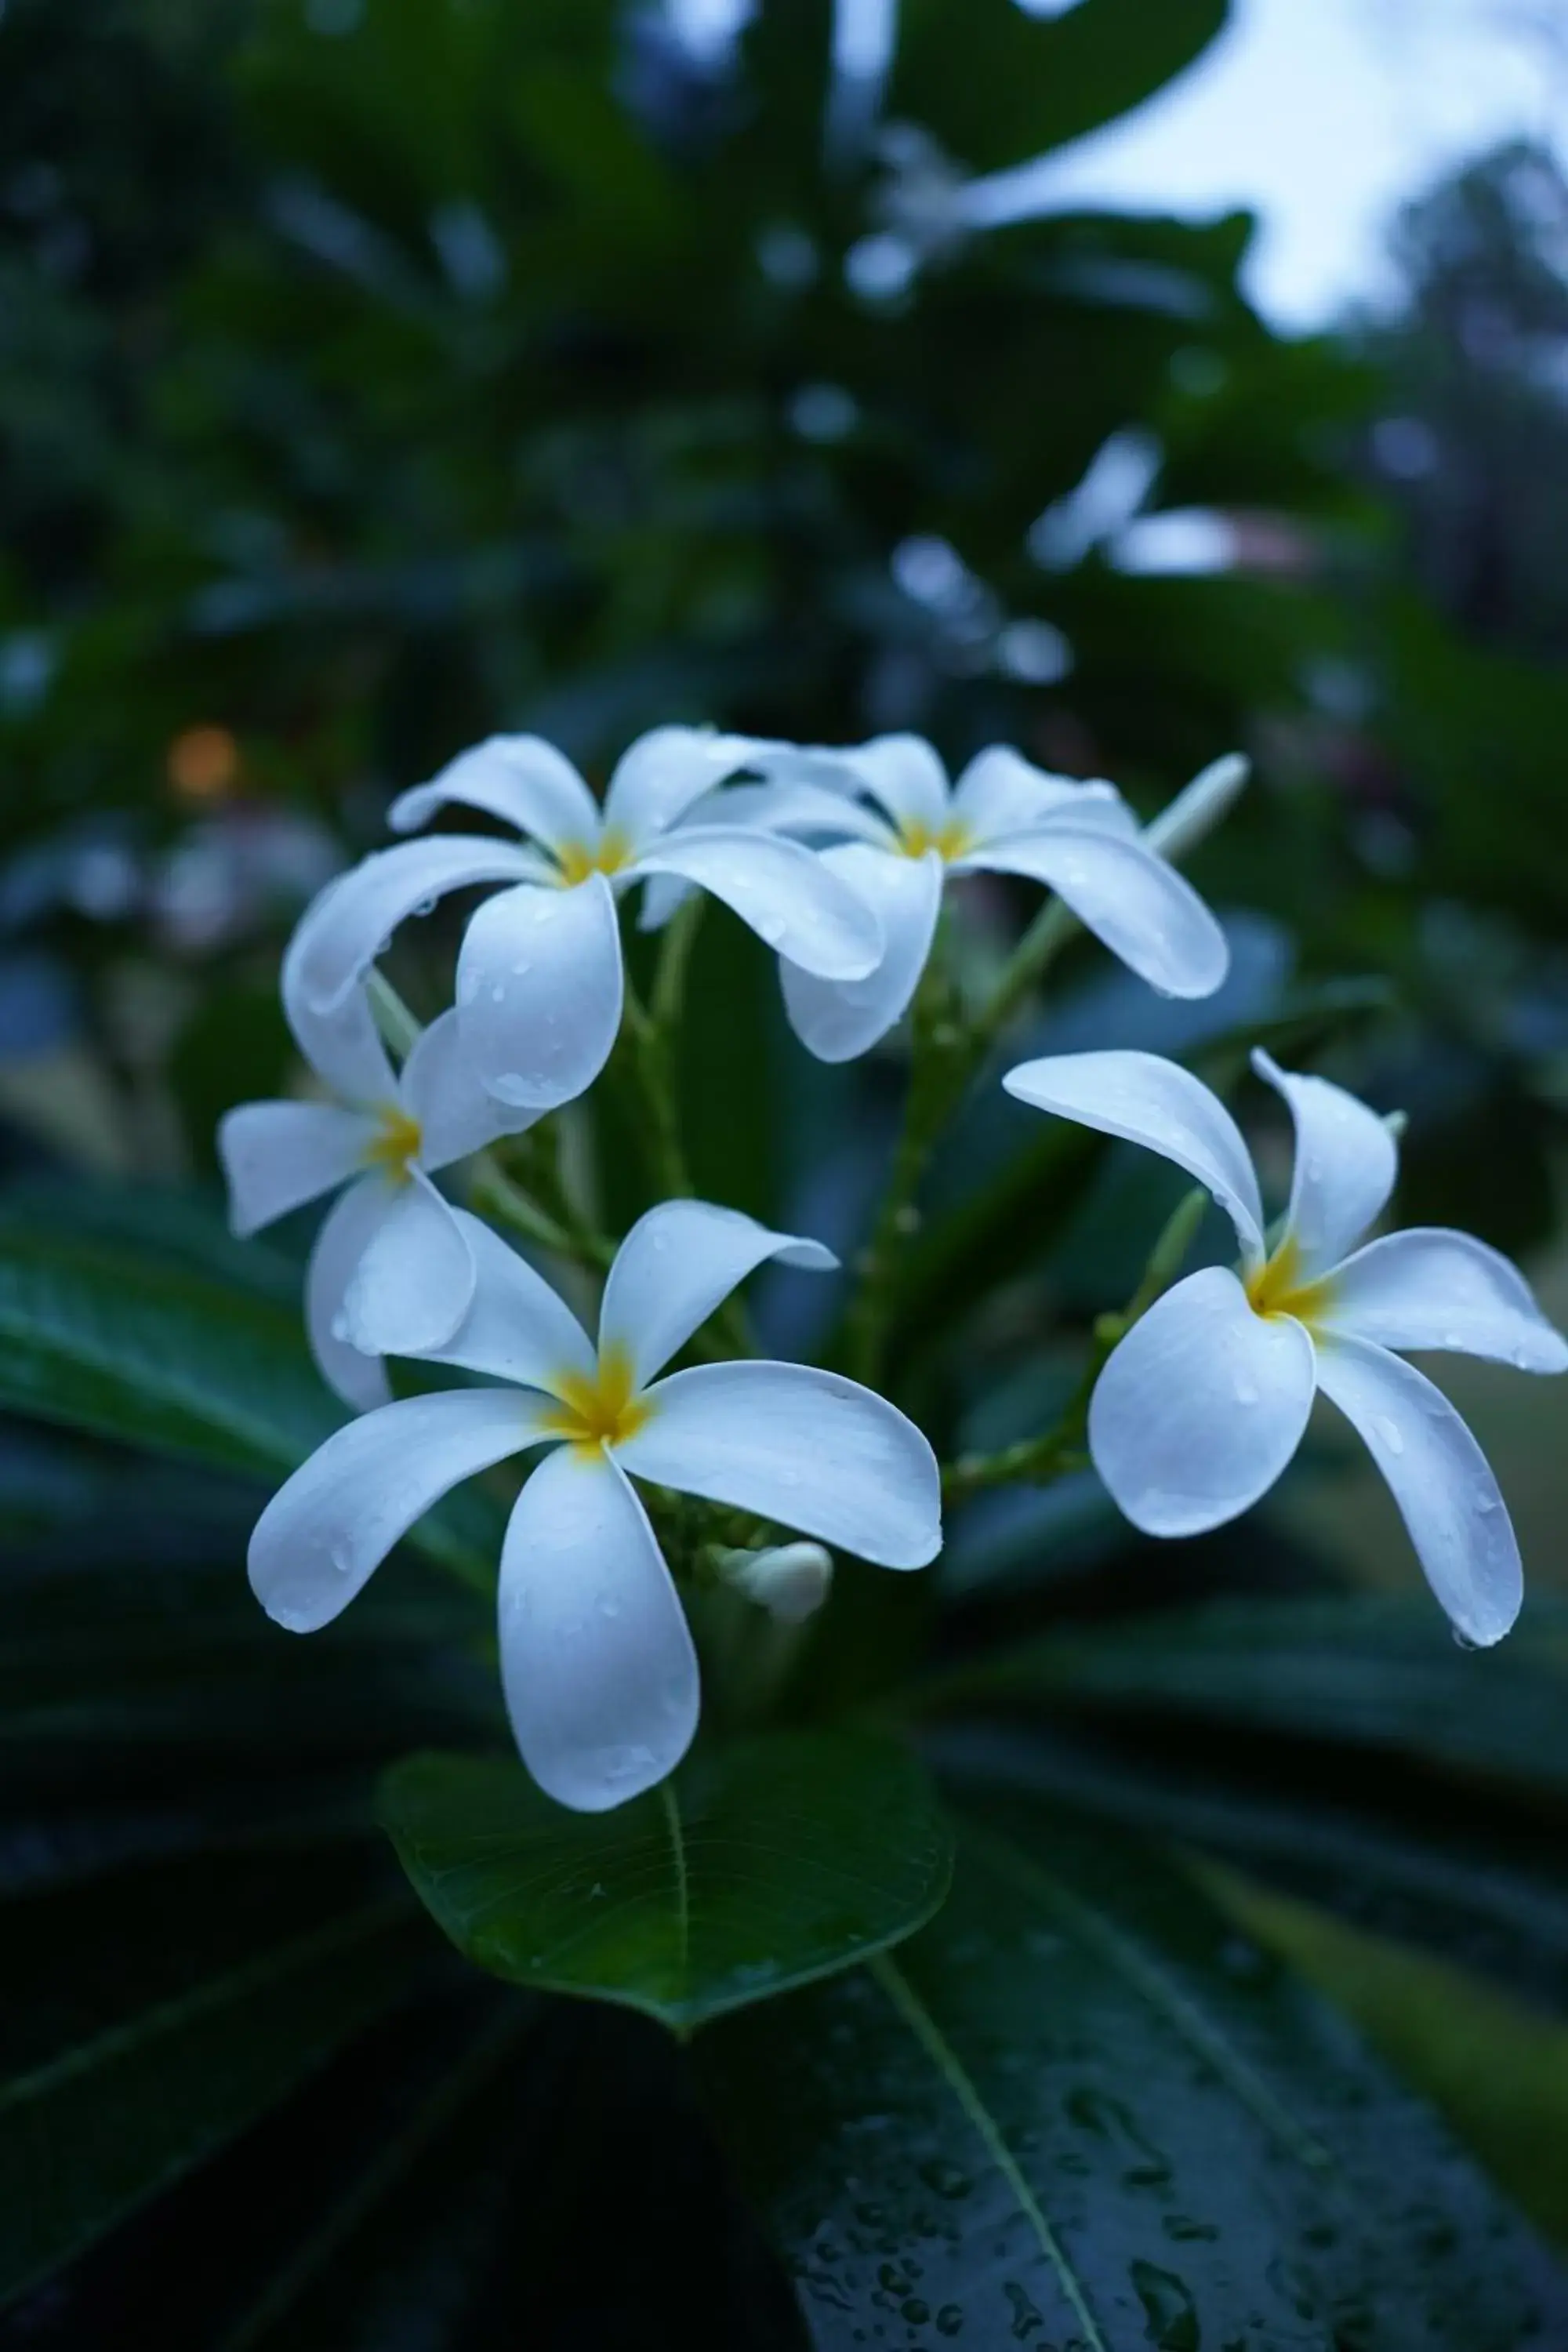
(1371, 1670)
(149, 2019)
(103, 1336)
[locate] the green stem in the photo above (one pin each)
(397, 1025)
(497, 1196)
(675, 961)
(655, 1077)
(948, 1054)
(940, 1069)
(1036, 1460)
(1041, 943)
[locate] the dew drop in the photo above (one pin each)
(1391, 1433)
(1245, 1389)
(497, 994)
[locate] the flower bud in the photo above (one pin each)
(791, 1581)
(1198, 807)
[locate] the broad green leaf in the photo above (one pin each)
(755, 1868)
(1078, 2109)
(108, 1338)
(151, 2017)
(1375, 1670)
(999, 85)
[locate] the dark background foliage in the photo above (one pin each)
(372, 376)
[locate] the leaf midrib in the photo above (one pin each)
(914, 2014)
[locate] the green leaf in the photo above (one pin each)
(1487, 1889)
(1080, 2110)
(1375, 1670)
(150, 2019)
(999, 86)
(756, 1868)
(1496, 2068)
(106, 1337)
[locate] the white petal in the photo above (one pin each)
(1346, 1161)
(1001, 792)
(518, 1329)
(539, 991)
(788, 896)
(808, 1449)
(1200, 1408)
(341, 936)
(1440, 1479)
(839, 1019)
(1145, 1099)
(676, 1266)
(334, 1522)
(659, 776)
(440, 1089)
(521, 779)
(903, 773)
(343, 1047)
(346, 1232)
(1141, 908)
(807, 807)
(415, 1282)
(662, 897)
(1431, 1288)
(278, 1155)
(596, 1657)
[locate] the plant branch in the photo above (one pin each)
(1036, 1461)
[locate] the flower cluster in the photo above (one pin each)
(837, 859)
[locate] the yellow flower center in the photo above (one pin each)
(577, 859)
(598, 1408)
(950, 840)
(395, 1145)
(1276, 1287)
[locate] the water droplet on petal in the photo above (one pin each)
(1245, 1388)
(1391, 1433)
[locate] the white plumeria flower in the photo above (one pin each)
(540, 981)
(1205, 1400)
(391, 1270)
(597, 1663)
(911, 830)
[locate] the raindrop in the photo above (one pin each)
(1245, 1388)
(521, 970)
(426, 907)
(497, 994)
(1391, 1433)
